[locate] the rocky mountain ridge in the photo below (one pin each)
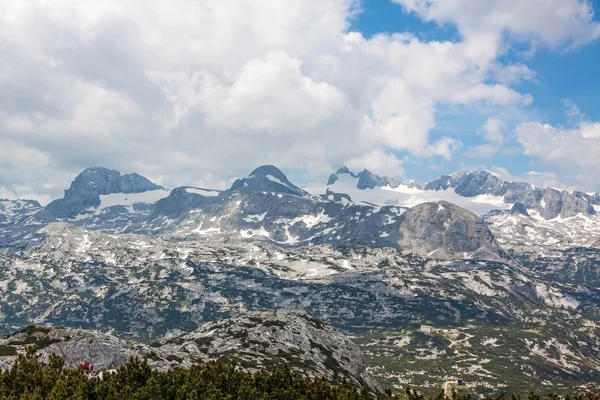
(148, 288)
(252, 340)
(550, 203)
(263, 206)
(86, 189)
(161, 262)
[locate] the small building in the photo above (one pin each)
(460, 382)
(429, 330)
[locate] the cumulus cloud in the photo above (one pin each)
(552, 23)
(575, 151)
(493, 130)
(540, 179)
(190, 92)
(378, 162)
(590, 130)
(567, 147)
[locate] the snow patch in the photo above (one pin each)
(122, 199)
(203, 192)
(553, 297)
(255, 217)
(405, 196)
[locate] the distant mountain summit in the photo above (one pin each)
(89, 185)
(478, 191)
(267, 178)
(366, 179)
(105, 181)
(550, 203)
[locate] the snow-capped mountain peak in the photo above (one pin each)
(99, 188)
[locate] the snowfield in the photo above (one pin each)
(405, 196)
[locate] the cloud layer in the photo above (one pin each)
(199, 92)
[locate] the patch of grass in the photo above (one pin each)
(153, 356)
(41, 344)
(7, 351)
(30, 329)
(279, 324)
(172, 357)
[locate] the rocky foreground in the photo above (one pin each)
(254, 341)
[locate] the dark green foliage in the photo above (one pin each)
(31, 379)
(7, 351)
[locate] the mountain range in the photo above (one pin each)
(493, 264)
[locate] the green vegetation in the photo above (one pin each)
(491, 359)
(31, 379)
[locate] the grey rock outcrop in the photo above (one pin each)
(254, 340)
(75, 346)
(366, 179)
(277, 338)
(334, 177)
(13, 210)
(565, 204)
(445, 230)
(469, 184)
(519, 209)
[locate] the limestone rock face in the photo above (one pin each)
(442, 229)
(368, 180)
(519, 209)
(254, 340)
(276, 338)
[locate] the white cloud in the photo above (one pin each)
(590, 130)
(553, 23)
(572, 111)
(575, 152)
(493, 130)
(194, 91)
(378, 162)
(537, 178)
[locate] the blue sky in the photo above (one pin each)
(559, 74)
(201, 92)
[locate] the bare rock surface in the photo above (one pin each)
(254, 340)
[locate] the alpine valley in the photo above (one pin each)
(467, 276)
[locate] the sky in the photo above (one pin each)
(200, 92)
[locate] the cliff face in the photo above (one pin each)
(444, 230)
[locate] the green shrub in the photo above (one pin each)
(30, 379)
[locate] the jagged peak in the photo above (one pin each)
(267, 178)
(100, 180)
(87, 187)
(265, 170)
(519, 209)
